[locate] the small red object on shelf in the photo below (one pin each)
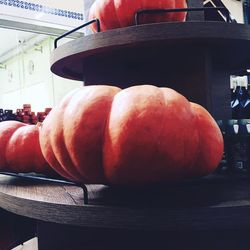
(26, 115)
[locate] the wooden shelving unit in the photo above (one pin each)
(196, 58)
(155, 216)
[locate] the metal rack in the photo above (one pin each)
(42, 178)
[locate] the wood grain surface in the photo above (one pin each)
(207, 203)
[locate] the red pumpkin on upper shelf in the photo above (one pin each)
(121, 13)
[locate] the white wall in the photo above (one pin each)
(28, 79)
(236, 9)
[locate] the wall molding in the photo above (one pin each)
(42, 8)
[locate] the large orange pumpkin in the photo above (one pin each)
(121, 13)
(137, 136)
(20, 149)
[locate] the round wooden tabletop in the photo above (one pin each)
(207, 203)
(168, 45)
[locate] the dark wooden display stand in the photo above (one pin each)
(195, 58)
(209, 213)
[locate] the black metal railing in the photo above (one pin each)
(139, 13)
(40, 178)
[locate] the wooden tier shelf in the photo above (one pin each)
(162, 45)
(195, 58)
(210, 203)
(207, 213)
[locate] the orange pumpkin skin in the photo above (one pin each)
(71, 136)
(20, 149)
(155, 135)
(6, 130)
(121, 13)
(211, 145)
(137, 136)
